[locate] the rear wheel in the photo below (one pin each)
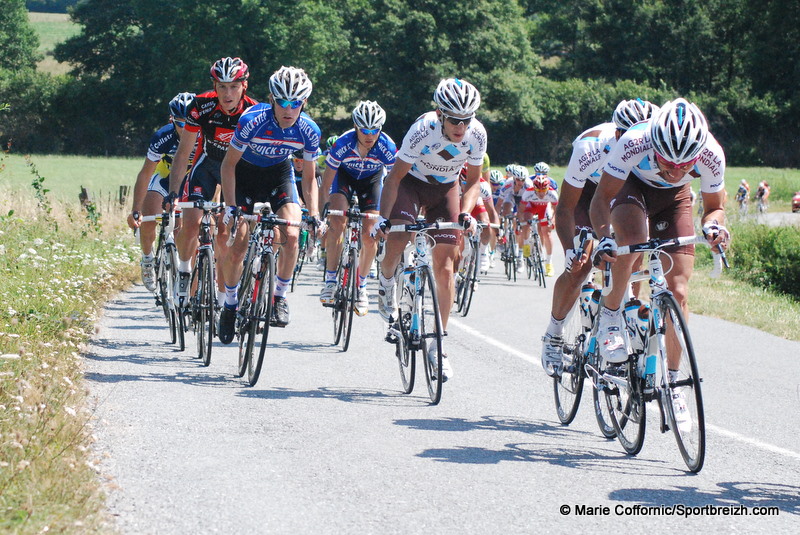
(627, 409)
(538, 263)
(430, 332)
(568, 385)
(470, 282)
(684, 390)
(264, 303)
(349, 299)
(301, 257)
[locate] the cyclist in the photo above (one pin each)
(742, 195)
(425, 175)
(213, 115)
(537, 202)
(542, 169)
(356, 165)
(645, 187)
(511, 197)
(297, 166)
(485, 213)
(152, 182)
(257, 169)
(590, 151)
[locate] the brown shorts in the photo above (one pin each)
(440, 201)
(668, 210)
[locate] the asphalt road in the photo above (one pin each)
(327, 443)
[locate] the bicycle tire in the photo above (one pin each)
(205, 298)
(626, 408)
(168, 272)
(601, 412)
(471, 281)
(568, 385)
(691, 441)
(338, 309)
(349, 299)
(301, 258)
(405, 357)
(181, 317)
(539, 263)
(265, 303)
(244, 317)
(430, 331)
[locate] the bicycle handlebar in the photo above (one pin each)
(353, 213)
(421, 227)
(202, 205)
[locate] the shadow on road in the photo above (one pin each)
(347, 395)
(751, 494)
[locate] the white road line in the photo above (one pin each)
(719, 430)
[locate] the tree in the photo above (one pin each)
(18, 41)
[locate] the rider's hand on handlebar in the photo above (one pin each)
(169, 201)
(716, 235)
(230, 215)
(379, 228)
(606, 250)
(468, 222)
(134, 219)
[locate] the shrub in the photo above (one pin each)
(767, 256)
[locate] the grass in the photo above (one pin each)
(52, 28)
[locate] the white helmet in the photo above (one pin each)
(496, 177)
(290, 83)
(630, 112)
(368, 114)
(509, 168)
(541, 168)
(679, 131)
(457, 96)
(519, 172)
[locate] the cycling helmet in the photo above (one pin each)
(541, 168)
(541, 182)
(368, 114)
(630, 112)
(679, 131)
(298, 154)
(179, 105)
(229, 70)
(457, 96)
(496, 177)
(330, 141)
(519, 172)
(290, 83)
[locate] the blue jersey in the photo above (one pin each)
(344, 155)
(265, 144)
(163, 144)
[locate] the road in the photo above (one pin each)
(327, 443)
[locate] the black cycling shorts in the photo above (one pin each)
(367, 190)
(273, 184)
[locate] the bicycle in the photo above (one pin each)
(509, 256)
(581, 356)
(256, 288)
(347, 275)
(419, 323)
(468, 274)
(305, 245)
(647, 376)
(166, 267)
(534, 263)
(202, 306)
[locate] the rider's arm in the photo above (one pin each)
(181, 160)
(327, 182)
(600, 210)
(140, 187)
(390, 185)
(228, 175)
(310, 187)
(472, 189)
(493, 216)
(713, 208)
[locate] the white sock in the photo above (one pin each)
(281, 285)
(556, 327)
(185, 266)
(231, 296)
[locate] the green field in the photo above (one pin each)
(52, 28)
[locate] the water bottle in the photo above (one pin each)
(643, 316)
(650, 373)
(587, 317)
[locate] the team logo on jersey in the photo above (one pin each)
(448, 153)
(224, 137)
(436, 146)
(661, 226)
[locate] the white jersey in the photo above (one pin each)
(529, 196)
(507, 195)
(590, 151)
(634, 153)
(436, 159)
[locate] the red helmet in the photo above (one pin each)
(541, 182)
(229, 70)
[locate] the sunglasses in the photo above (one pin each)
(283, 103)
(370, 131)
(669, 165)
(179, 123)
(519, 180)
(455, 121)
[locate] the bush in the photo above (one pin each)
(767, 256)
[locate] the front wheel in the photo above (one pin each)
(264, 303)
(426, 309)
(685, 409)
(626, 408)
(205, 298)
(568, 385)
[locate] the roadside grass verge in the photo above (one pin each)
(57, 267)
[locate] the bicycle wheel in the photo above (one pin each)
(568, 386)
(538, 262)
(301, 257)
(339, 301)
(470, 282)
(690, 432)
(166, 283)
(204, 301)
(264, 303)
(246, 328)
(430, 331)
(349, 298)
(601, 412)
(626, 408)
(405, 357)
